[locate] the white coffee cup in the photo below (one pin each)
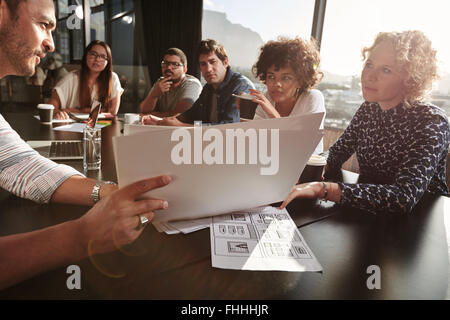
(45, 113)
(132, 118)
(246, 96)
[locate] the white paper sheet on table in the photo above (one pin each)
(81, 116)
(183, 226)
(77, 127)
(218, 188)
(56, 120)
(263, 238)
(85, 116)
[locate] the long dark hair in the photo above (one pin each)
(104, 80)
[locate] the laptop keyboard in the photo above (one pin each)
(66, 149)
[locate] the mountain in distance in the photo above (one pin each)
(241, 43)
(329, 77)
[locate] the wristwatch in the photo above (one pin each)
(95, 195)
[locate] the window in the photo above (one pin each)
(344, 37)
(111, 21)
(244, 26)
(97, 20)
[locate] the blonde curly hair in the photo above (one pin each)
(299, 54)
(415, 58)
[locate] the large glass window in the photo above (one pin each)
(97, 20)
(120, 33)
(351, 25)
(112, 21)
(244, 26)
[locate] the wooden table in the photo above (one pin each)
(410, 250)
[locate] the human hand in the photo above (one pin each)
(106, 189)
(163, 86)
(169, 121)
(61, 115)
(305, 190)
(262, 100)
(113, 221)
(150, 119)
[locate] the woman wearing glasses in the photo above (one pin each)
(289, 68)
(94, 82)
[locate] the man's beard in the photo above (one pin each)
(16, 51)
(174, 80)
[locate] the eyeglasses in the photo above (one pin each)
(284, 79)
(95, 55)
(171, 64)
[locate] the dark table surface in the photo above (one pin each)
(410, 250)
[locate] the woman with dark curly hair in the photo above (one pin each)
(401, 142)
(289, 68)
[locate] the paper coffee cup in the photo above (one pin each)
(45, 113)
(247, 106)
(314, 169)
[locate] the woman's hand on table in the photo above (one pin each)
(61, 115)
(324, 190)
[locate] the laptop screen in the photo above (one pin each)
(93, 115)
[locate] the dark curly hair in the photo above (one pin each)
(301, 55)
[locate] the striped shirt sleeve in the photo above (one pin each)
(24, 172)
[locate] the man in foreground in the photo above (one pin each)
(117, 219)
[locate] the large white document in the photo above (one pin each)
(214, 172)
(262, 238)
(309, 121)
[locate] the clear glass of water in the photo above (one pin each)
(92, 148)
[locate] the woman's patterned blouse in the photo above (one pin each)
(401, 152)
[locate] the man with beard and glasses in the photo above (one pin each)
(176, 91)
(25, 36)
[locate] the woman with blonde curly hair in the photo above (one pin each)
(289, 68)
(401, 142)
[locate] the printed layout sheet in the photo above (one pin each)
(263, 238)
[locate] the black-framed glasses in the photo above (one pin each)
(95, 55)
(171, 64)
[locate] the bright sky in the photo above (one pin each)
(349, 24)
